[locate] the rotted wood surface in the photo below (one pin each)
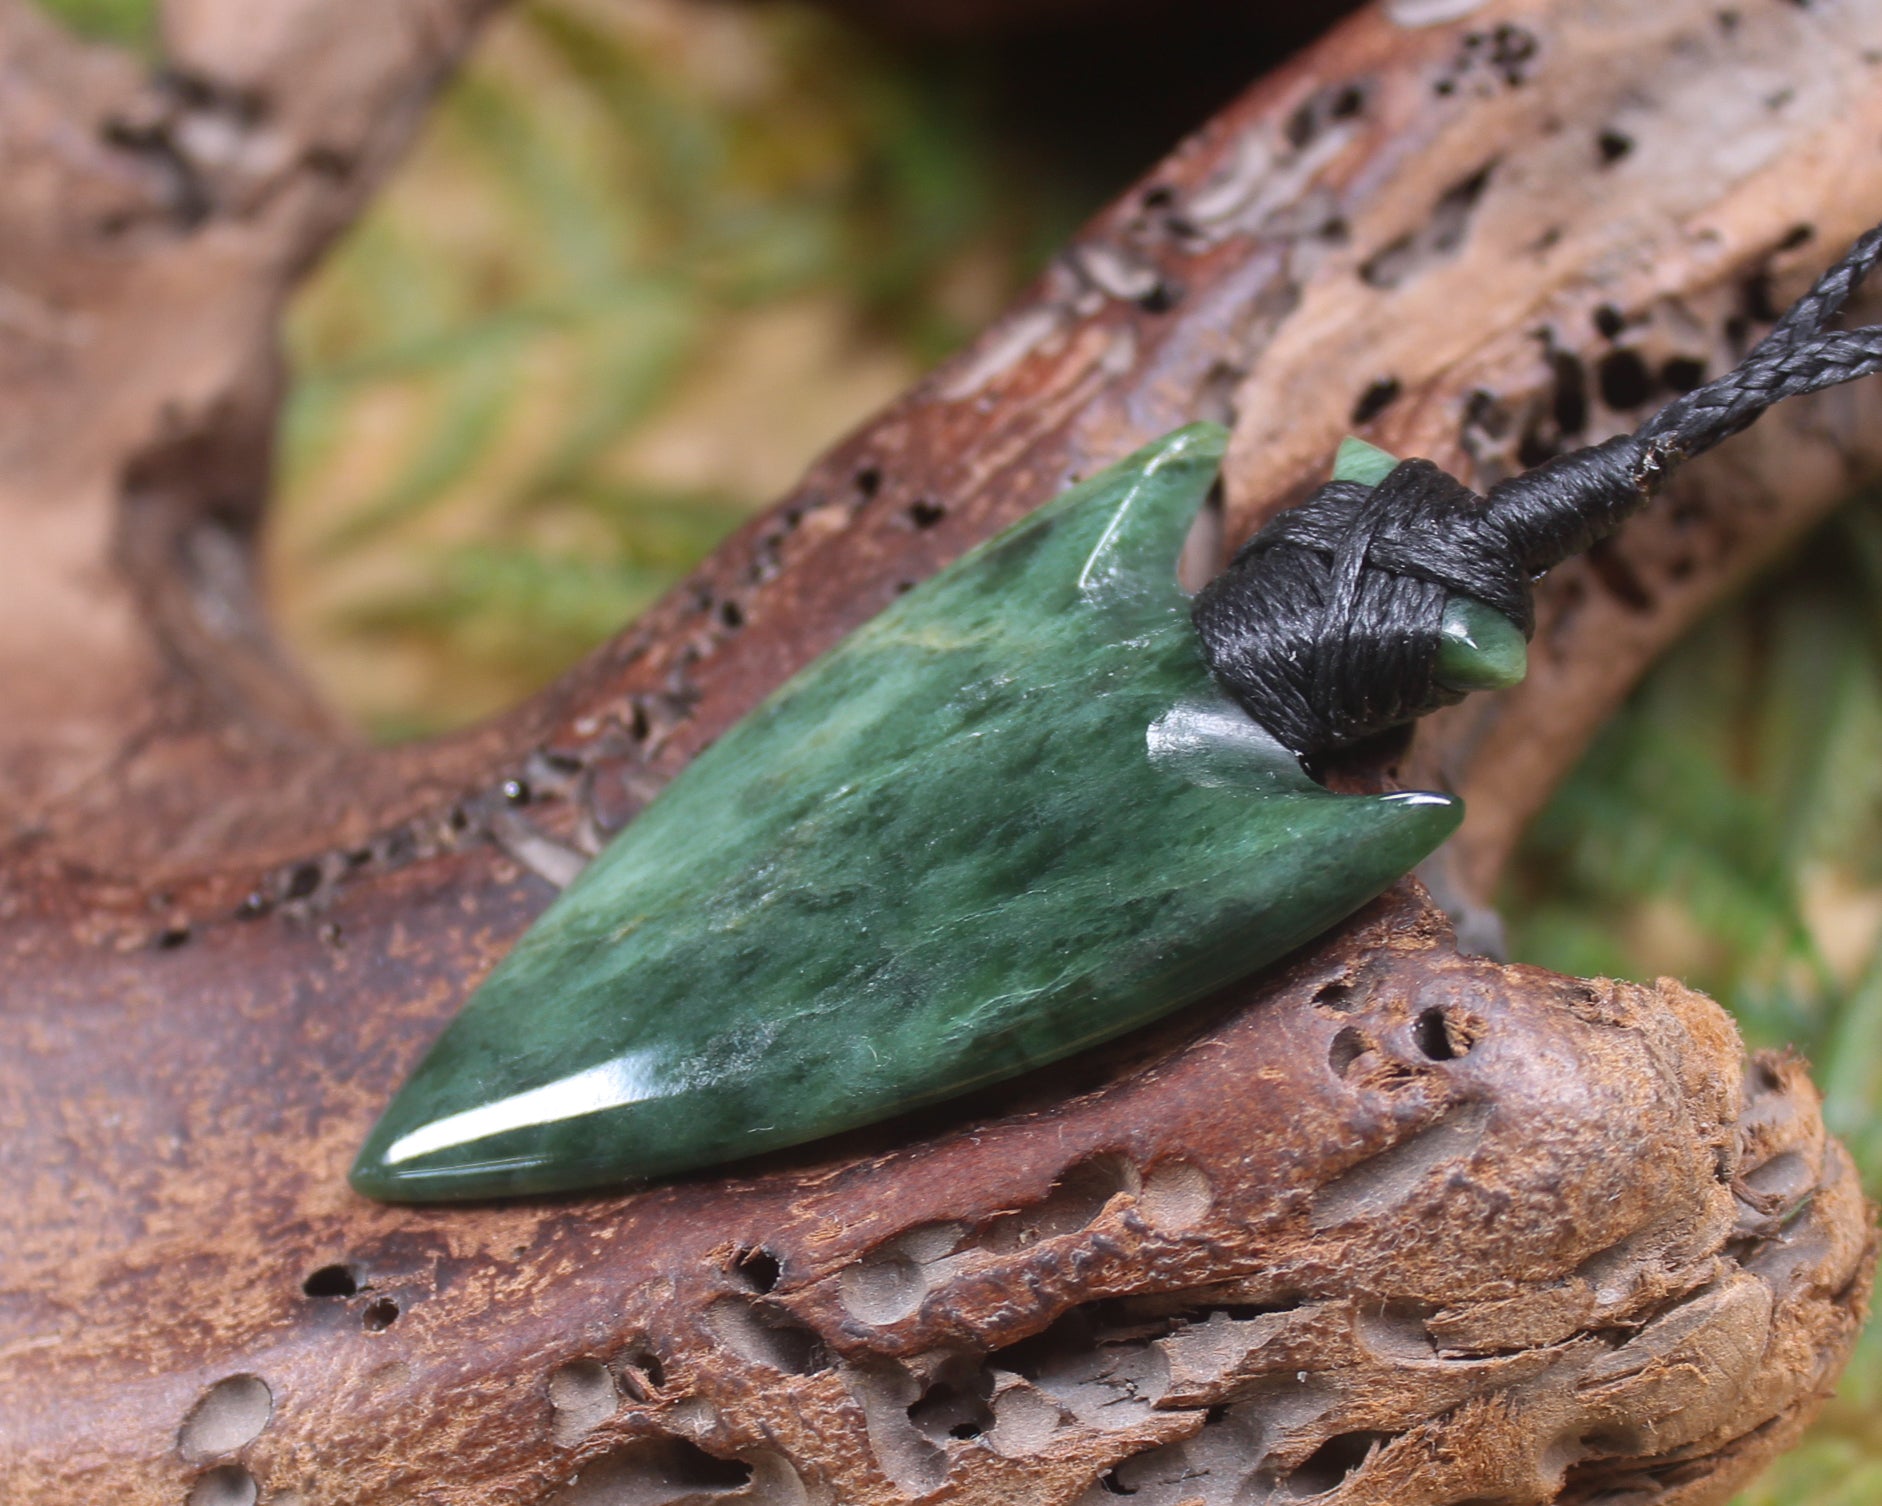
(1389, 1225)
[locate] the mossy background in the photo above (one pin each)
(652, 255)
(646, 261)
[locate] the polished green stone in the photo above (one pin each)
(1355, 460)
(1008, 818)
(1479, 648)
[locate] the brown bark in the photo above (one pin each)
(1527, 1239)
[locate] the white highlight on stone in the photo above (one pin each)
(611, 1085)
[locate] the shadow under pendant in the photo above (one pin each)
(1008, 818)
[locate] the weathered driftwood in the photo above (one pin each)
(1390, 1224)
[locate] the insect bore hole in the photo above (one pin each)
(380, 1314)
(1377, 397)
(1442, 1037)
(331, 1281)
(758, 1269)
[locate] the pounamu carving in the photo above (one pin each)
(1009, 818)
(1527, 1239)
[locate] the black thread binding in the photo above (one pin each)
(1325, 625)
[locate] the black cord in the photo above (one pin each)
(1325, 626)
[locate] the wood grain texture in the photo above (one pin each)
(1526, 1238)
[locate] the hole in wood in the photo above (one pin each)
(1394, 1174)
(661, 1471)
(1377, 397)
(1624, 379)
(380, 1314)
(1347, 1047)
(1076, 1200)
(767, 1334)
(1328, 1466)
(229, 1415)
(228, 1485)
(1440, 1037)
(946, 1411)
(1176, 1195)
(331, 1281)
(583, 1396)
(641, 1373)
(1612, 146)
(757, 1269)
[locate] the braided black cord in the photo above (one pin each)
(1325, 626)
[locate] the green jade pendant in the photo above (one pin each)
(1009, 818)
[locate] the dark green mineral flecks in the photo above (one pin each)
(1008, 818)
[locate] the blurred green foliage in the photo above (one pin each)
(604, 207)
(493, 366)
(129, 23)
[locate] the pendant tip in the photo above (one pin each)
(1356, 460)
(1398, 831)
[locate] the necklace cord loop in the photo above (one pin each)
(1325, 626)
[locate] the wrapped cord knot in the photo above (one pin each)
(1325, 626)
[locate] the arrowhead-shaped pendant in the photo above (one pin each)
(1008, 818)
